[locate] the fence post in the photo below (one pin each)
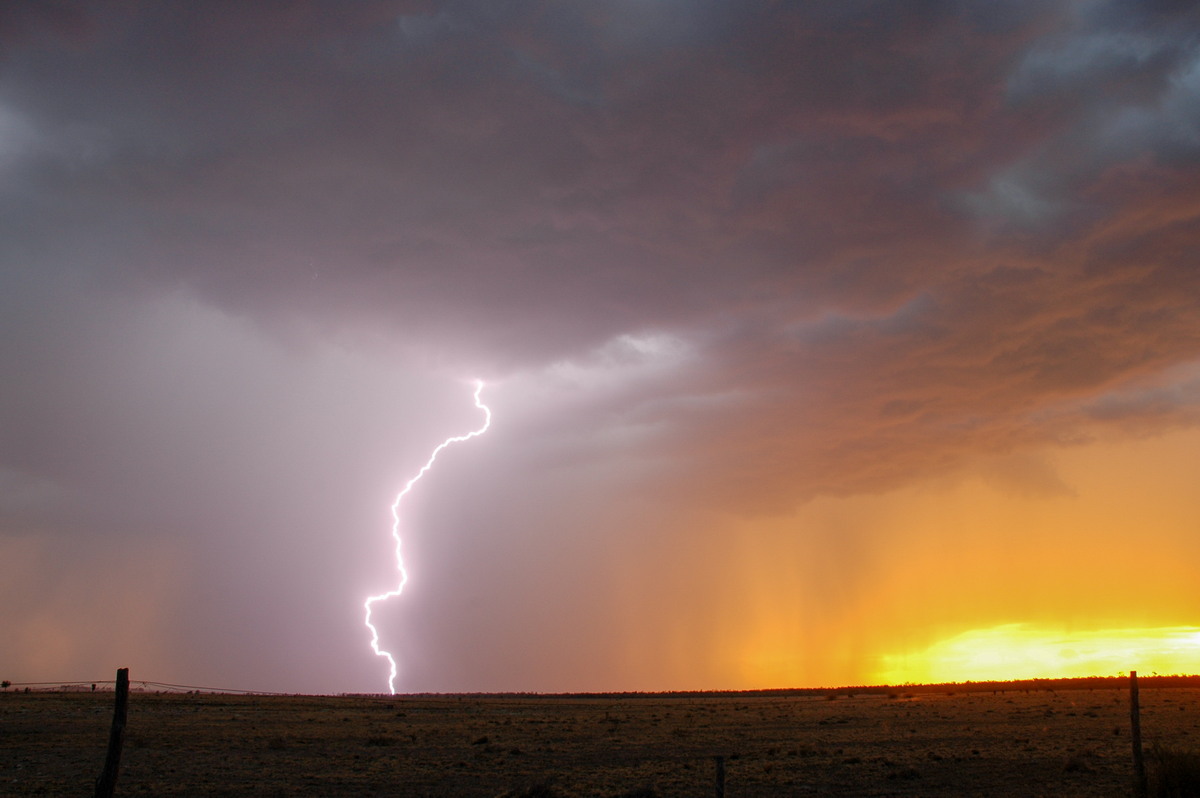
(720, 776)
(112, 761)
(1135, 733)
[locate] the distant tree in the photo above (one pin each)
(4, 685)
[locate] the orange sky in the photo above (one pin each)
(1089, 545)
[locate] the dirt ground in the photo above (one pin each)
(1041, 742)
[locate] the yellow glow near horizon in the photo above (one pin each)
(1019, 651)
(1092, 548)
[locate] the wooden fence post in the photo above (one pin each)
(1135, 733)
(112, 761)
(720, 776)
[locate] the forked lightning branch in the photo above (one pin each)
(369, 603)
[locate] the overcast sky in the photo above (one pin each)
(814, 334)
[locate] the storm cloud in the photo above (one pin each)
(716, 261)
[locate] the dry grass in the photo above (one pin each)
(1011, 743)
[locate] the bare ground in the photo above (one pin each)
(1020, 743)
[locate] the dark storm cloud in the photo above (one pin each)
(514, 184)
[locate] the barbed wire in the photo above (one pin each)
(92, 684)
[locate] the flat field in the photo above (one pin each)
(1060, 742)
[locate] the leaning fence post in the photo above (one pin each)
(112, 761)
(720, 776)
(1135, 732)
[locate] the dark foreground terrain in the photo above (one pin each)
(937, 743)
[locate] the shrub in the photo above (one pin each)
(1076, 763)
(1173, 773)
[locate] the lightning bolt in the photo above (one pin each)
(367, 605)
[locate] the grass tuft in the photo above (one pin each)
(381, 740)
(540, 790)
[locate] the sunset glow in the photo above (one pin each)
(1017, 651)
